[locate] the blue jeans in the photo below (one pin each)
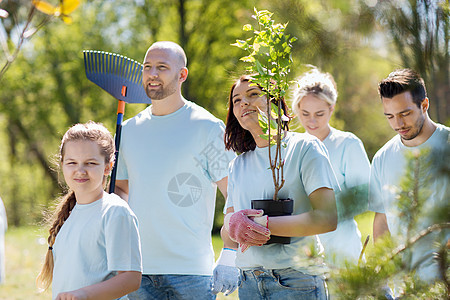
(165, 287)
(281, 284)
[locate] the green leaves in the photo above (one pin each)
(269, 53)
(247, 27)
(269, 57)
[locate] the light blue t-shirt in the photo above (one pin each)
(352, 169)
(171, 163)
(95, 241)
(306, 169)
(388, 169)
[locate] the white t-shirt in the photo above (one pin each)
(388, 169)
(3, 227)
(307, 169)
(352, 169)
(171, 163)
(96, 240)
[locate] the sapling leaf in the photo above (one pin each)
(262, 115)
(240, 44)
(270, 57)
(264, 136)
(247, 27)
(248, 59)
(263, 125)
(273, 124)
(260, 68)
(256, 46)
(273, 110)
(264, 19)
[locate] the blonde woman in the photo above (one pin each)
(314, 102)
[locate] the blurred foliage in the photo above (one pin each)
(45, 90)
(390, 262)
(420, 33)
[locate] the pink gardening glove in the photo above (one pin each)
(261, 220)
(244, 231)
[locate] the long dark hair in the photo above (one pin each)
(237, 138)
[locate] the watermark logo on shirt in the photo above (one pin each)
(184, 189)
(215, 156)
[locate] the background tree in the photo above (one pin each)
(420, 32)
(340, 37)
(390, 261)
(46, 90)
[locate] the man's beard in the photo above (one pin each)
(164, 92)
(418, 126)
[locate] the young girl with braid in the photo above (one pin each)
(94, 247)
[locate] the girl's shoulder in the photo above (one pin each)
(113, 199)
(113, 203)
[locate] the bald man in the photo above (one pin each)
(172, 158)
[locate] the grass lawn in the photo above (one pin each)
(25, 250)
(26, 247)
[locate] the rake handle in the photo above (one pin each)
(120, 113)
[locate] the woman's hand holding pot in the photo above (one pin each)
(245, 231)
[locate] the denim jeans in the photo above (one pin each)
(165, 287)
(281, 284)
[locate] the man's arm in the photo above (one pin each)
(380, 226)
(227, 242)
(121, 189)
(222, 185)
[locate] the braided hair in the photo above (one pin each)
(89, 131)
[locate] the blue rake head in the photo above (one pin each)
(119, 75)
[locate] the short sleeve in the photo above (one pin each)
(123, 248)
(122, 171)
(214, 156)
(316, 170)
(230, 190)
(357, 165)
(375, 193)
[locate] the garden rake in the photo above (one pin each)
(121, 77)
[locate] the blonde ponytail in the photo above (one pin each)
(62, 212)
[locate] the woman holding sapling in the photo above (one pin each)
(289, 271)
(314, 101)
(274, 164)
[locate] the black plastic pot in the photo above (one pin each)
(275, 209)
